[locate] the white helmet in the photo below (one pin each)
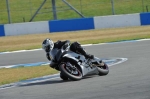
(47, 45)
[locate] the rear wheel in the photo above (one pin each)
(70, 70)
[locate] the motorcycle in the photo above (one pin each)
(75, 66)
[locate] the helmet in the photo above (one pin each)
(47, 45)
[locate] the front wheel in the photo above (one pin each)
(71, 71)
(103, 70)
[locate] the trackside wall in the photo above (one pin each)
(71, 25)
(98, 22)
(2, 32)
(145, 18)
(26, 28)
(117, 21)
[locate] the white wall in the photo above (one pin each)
(26, 28)
(115, 21)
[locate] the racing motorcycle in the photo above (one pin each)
(75, 66)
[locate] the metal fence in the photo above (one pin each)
(15, 11)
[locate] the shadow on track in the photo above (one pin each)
(57, 81)
(45, 82)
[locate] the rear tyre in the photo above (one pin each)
(63, 77)
(71, 73)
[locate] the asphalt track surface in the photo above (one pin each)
(129, 80)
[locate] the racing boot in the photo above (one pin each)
(101, 63)
(83, 52)
(98, 63)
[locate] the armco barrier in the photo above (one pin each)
(99, 22)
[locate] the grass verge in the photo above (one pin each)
(17, 74)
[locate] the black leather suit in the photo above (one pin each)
(75, 46)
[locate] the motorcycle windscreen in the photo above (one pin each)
(53, 53)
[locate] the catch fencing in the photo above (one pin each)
(17, 11)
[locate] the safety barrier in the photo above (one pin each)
(98, 22)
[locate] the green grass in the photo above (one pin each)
(23, 10)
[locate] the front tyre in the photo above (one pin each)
(72, 72)
(103, 70)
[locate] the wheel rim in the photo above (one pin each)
(72, 71)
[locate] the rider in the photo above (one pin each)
(48, 45)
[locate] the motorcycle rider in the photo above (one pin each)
(48, 45)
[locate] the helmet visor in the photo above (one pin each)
(47, 48)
